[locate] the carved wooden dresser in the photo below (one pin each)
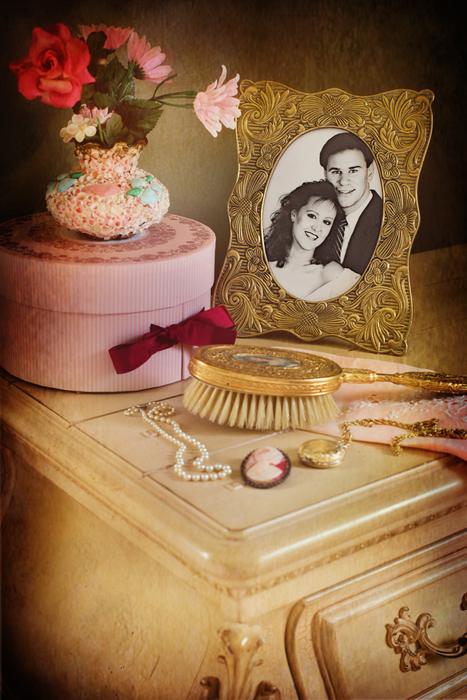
(121, 581)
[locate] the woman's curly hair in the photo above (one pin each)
(279, 237)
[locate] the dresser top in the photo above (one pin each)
(109, 462)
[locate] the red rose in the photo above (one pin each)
(55, 68)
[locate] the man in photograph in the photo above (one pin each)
(349, 166)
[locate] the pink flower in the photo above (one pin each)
(56, 67)
(115, 36)
(148, 60)
(218, 105)
(98, 115)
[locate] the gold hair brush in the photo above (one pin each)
(274, 389)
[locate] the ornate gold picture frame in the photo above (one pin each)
(281, 136)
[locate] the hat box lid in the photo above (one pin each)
(46, 266)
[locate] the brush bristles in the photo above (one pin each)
(252, 412)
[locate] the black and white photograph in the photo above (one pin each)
(322, 214)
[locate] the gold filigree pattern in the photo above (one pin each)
(244, 206)
(375, 314)
(288, 363)
(268, 156)
(335, 108)
(308, 320)
(402, 116)
(402, 221)
(270, 115)
(377, 272)
(387, 161)
(376, 318)
(255, 260)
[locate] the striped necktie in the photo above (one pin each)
(340, 238)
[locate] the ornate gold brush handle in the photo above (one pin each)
(432, 381)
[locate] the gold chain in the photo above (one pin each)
(424, 428)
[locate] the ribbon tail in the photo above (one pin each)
(129, 356)
(211, 327)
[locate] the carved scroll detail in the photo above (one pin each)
(241, 643)
(411, 640)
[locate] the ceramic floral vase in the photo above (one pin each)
(109, 197)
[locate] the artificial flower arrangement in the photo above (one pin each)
(85, 73)
(97, 74)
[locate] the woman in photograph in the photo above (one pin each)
(307, 216)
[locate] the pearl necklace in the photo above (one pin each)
(156, 412)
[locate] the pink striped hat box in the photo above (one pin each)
(67, 299)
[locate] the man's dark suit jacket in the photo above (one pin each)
(365, 235)
(363, 240)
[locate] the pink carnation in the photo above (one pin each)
(148, 59)
(218, 105)
(115, 36)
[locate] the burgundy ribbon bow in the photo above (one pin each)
(210, 327)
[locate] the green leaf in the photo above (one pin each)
(114, 130)
(135, 191)
(102, 101)
(111, 78)
(139, 116)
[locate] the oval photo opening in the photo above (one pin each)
(322, 214)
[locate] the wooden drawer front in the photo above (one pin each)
(350, 637)
(339, 641)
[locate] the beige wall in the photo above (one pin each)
(360, 46)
